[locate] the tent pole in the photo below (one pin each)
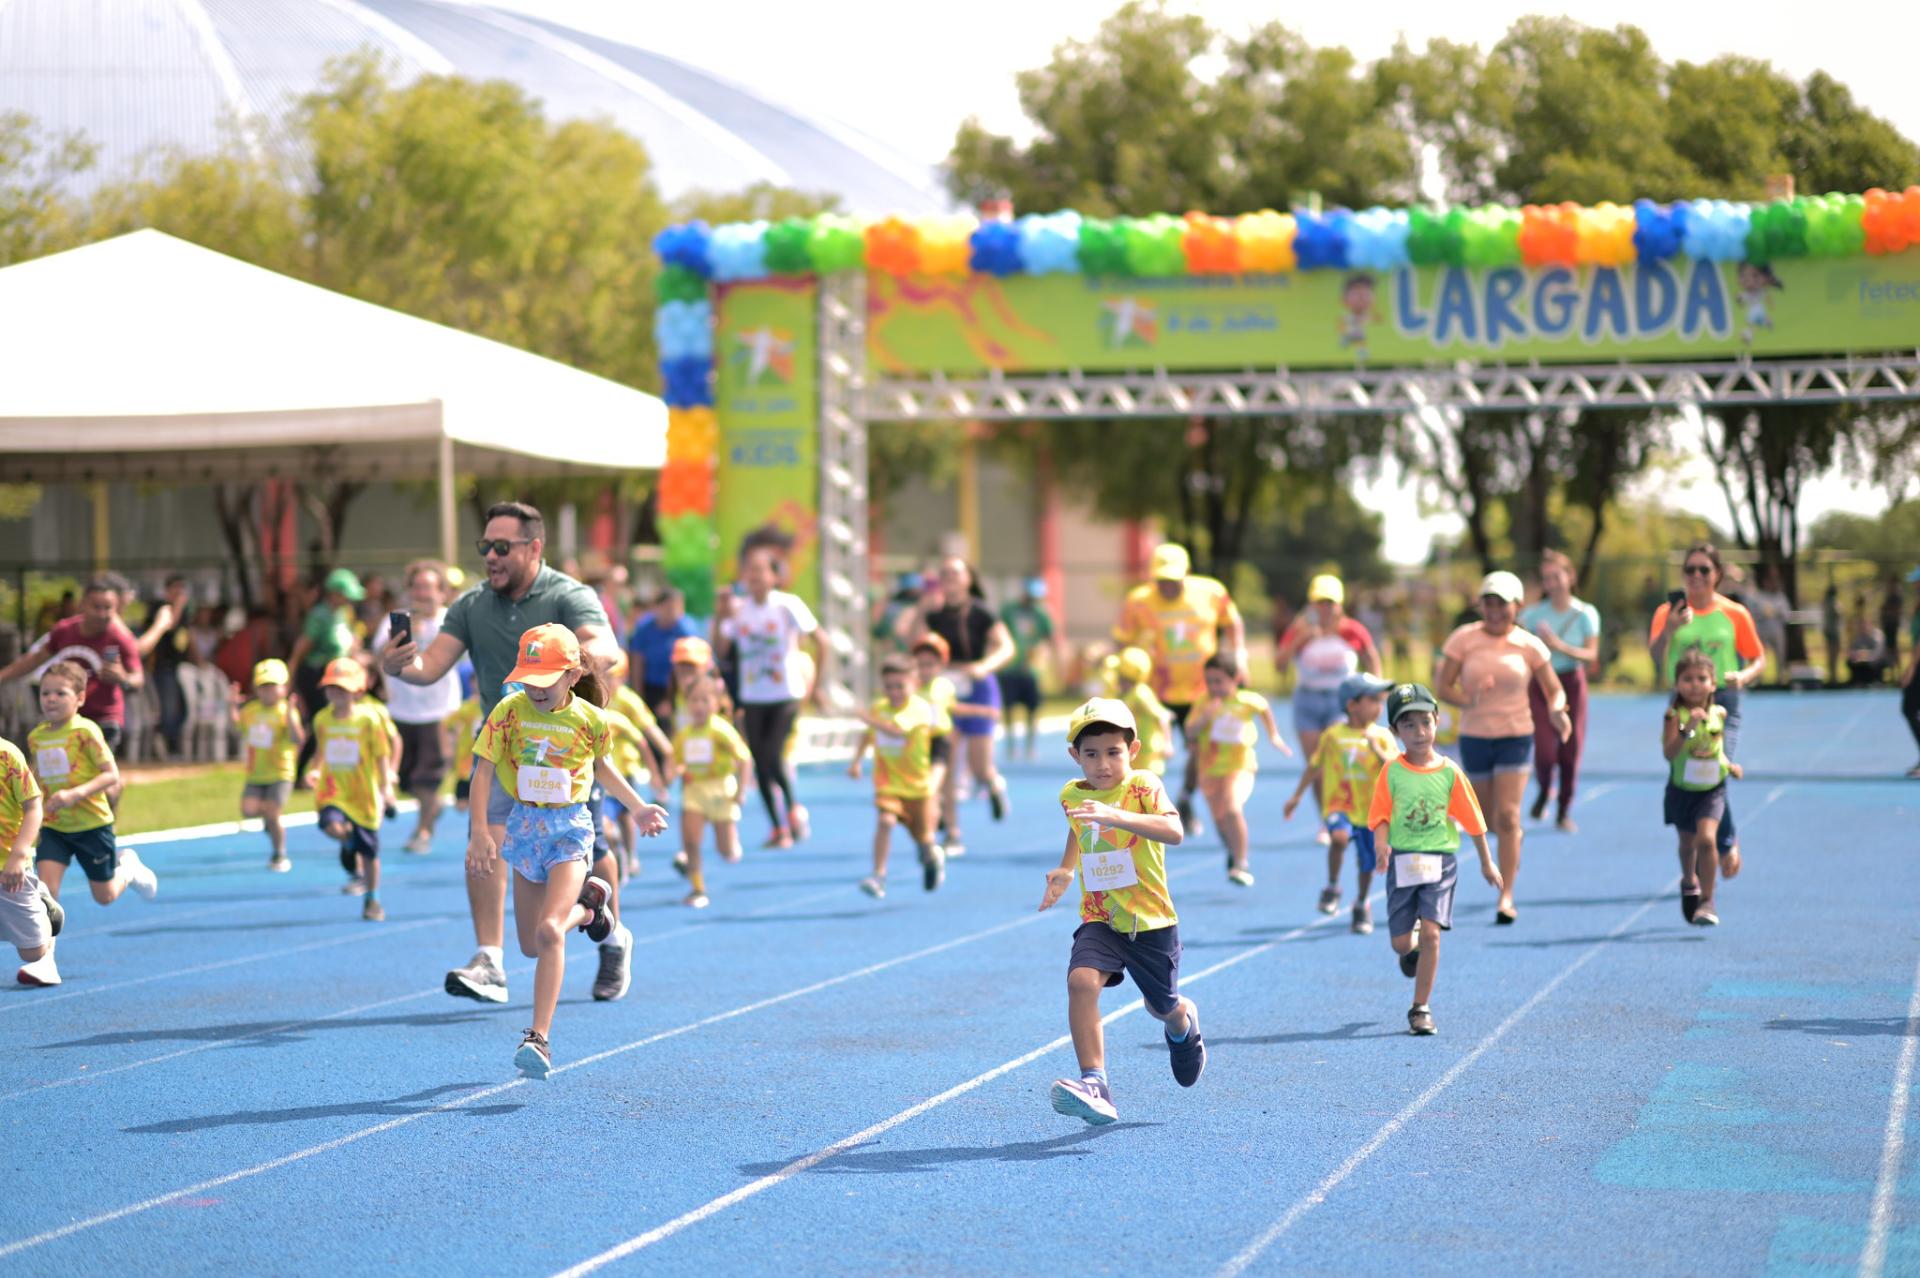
(447, 554)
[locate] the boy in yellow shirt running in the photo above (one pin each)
(272, 734)
(715, 767)
(76, 771)
(1119, 823)
(29, 916)
(1347, 760)
(354, 753)
(900, 734)
(1221, 734)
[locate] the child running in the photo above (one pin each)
(355, 751)
(272, 734)
(714, 766)
(638, 747)
(76, 772)
(900, 734)
(463, 725)
(930, 654)
(1222, 728)
(547, 744)
(1347, 760)
(1416, 801)
(1132, 673)
(1119, 823)
(29, 916)
(1693, 737)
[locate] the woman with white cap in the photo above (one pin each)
(1486, 668)
(1324, 645)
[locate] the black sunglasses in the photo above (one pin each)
(500, 545)
(1698, 570)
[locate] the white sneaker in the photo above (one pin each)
(873, 887)
(41, 971)
(1239, 877)
(419, 844)
(140, 878)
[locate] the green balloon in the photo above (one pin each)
(1152, 245)
(786, 244)
(678, 284)
(836, 244)
(1103, 246)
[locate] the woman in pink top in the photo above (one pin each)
(1486, 668)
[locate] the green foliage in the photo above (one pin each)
(1892, 537)
(763, 201)
(35, 216)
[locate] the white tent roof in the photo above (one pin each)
(149, 358)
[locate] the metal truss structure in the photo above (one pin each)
(844, 571)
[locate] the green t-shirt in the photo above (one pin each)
(331, 631)
(1421, 806)
(490, 624)
(1701, 763)
(1727, 635)
(1030, 626)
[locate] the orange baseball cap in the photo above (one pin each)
(345, 672)
(692, 650)
(933, 643)
(546, 654)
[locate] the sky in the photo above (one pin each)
(907, 75)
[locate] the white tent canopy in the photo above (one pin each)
(146, 358)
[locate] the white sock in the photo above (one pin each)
(495, 952)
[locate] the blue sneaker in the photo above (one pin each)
(1078, 1098)
(534, 1059)
(1189, 1056)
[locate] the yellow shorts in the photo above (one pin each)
(717, 801)
(916, 813)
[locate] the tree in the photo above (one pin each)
(36, 214)
(1763, 459)
(762, 201)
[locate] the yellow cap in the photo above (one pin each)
(1100, 710)
(1326, 586)
(1170, 563)
(1134, 664)
(272, 670)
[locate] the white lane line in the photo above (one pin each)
(1873, 1257)
(1319, 1193)
(312, 1151)
(806, 1163)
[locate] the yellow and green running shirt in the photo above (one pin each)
(1226, 731)
(1701, 763)
(709, 751)
(903, 749)
(66, 758)
(464, 723)
(1150, 722)
(267, 735)
(1350, 760)
(1123, 877)
(1725, 632)
(1420, 805)
(1178, 633)
(352, 748)
(941, 698)
(17, 790)
(628, 758)
(545, 760)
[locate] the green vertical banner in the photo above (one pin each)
(767, 399)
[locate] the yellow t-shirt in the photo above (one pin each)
(66, 758)
(1150, 720)
(1350, 760)
(1123, 877)
(629, 710)
(902, 750)
(267, 736)
(941, 698)
(709, 751)
(385, 716)
(464, 723)
(17, 790)
(1179, 634)
(1225, 732)
(352, 749)
(545, 760)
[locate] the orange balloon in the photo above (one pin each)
(893, 246)
(1210, 245)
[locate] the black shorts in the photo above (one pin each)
(423, 758)
(940, 749)
(94, 849)
(462, 788)
(1180, 710)
(1019, 688)
(358, 841)
(1151, 958)
(1686, 809)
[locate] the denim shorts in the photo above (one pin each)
(1359, 837)
(1316, 709)
(1151, 958)
(1485, 756)
(540, 838)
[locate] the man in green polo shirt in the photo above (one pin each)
(520, 592)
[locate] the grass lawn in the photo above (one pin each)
(163, 798)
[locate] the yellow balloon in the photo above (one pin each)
(944, 247)
(1266, 241)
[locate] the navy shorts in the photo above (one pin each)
(1180, 710)
(360, 840)
(1430, 901)
(1151, 958)
(984, 692)
(1020, 688)
(94, 849)
(940, 749)
(1485, 756)
(461, 789)
(1359, 838)
(1686, 809)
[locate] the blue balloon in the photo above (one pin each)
(996, 249)
(684, 330)
(738, 251)
(1715, 230)
(689, 382)
(1320, 242)
(685, 245)
(1658, 231)
(1050, 243)
(1377, 239)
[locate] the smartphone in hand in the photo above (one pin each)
(1675, 598)
(399, 628)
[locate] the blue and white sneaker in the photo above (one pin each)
(1189, 1056)
(534, 1059)
(1080, 1098)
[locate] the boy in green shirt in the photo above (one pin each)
(1416, 801)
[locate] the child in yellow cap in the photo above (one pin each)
(1132, 686)
(900, 734)
(548, 744)
(714, 766)
(354, 751)
(271, 734)
(1222, 733)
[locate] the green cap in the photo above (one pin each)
(1410, 696)
(341, 581)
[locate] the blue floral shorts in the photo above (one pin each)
(540, 838)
